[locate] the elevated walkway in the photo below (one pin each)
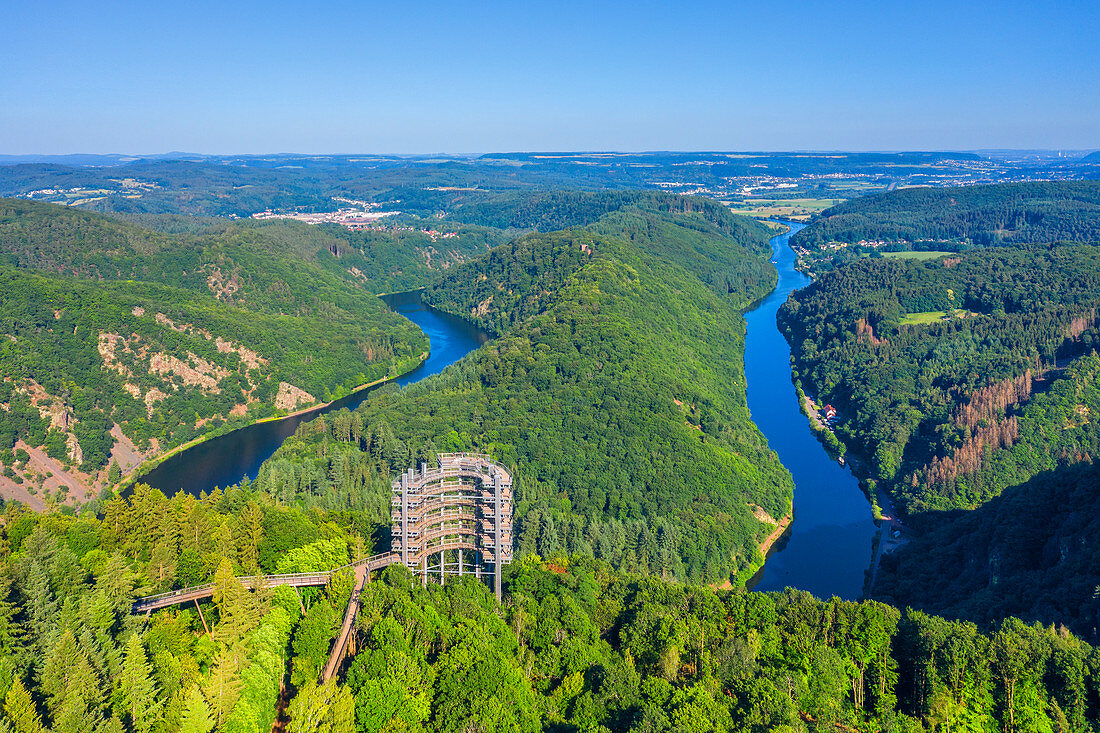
(362, 570)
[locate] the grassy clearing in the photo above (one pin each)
(933, 316)
(796, 209)
(917, 255)
(928, 317)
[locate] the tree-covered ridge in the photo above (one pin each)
(515, 281)
(621, 401)
(273, 266)
(1030, 552)
(1008, 213)
(551, 210)
(154, 360)
(165, 336)
(925, 397)
(512, 283)
(575, 646)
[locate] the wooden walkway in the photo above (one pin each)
(362, 570)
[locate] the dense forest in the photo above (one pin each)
(1009, 213)
(927, 360)
(968, 384)
(1032, 552)
(576, 645)
(616, 387)
(166, 335)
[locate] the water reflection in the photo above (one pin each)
(829, 544)
(230, 458)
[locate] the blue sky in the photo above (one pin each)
(457, 77)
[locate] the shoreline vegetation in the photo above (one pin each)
(778, 533)
(886, 522)
(150, 464)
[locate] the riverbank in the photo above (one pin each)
(780, 530)
(828, 550)
(890, 528)
(151, 464)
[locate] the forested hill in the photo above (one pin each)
(513, 282)
(616, 390)
(576, 645)
(120, 342)
(551, 210)
(1008, 213)
(923, 358)
(244, 262)
(958, 380)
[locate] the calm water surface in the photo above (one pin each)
(227, 459)
(829, 545)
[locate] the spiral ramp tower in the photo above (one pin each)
(454, 518)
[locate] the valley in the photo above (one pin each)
(627, 355)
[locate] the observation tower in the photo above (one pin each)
(454, 518)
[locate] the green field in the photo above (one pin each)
(927, 317)
(930, 255)
(933, 316)
(797, 209)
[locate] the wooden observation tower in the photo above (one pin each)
(454, 518)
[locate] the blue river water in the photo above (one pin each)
(828, 547)
(229, 458)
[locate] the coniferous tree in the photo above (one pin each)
(196, 717)
(139, 692)
(20, 710)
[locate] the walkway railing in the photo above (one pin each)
(296, 580)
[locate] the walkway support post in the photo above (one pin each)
(201, 618)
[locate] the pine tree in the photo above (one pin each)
(58, 668)
(41, 607)
(11, 632)
(224, 545)
(196, 716)
(252, 529)
(114, 473)
(162, 567)
(79, 707)
(19, 707)
(223, 686)
(237, 609)
(139, 692)
(116, 582)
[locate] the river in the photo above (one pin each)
(229, 458)
(828, 547)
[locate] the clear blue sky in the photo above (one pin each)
(417, 76)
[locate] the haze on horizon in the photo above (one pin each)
(280, 76)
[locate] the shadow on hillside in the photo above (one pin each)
(1032, 552)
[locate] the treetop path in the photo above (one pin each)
(462, 505)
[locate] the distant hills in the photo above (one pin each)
(981, 215)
